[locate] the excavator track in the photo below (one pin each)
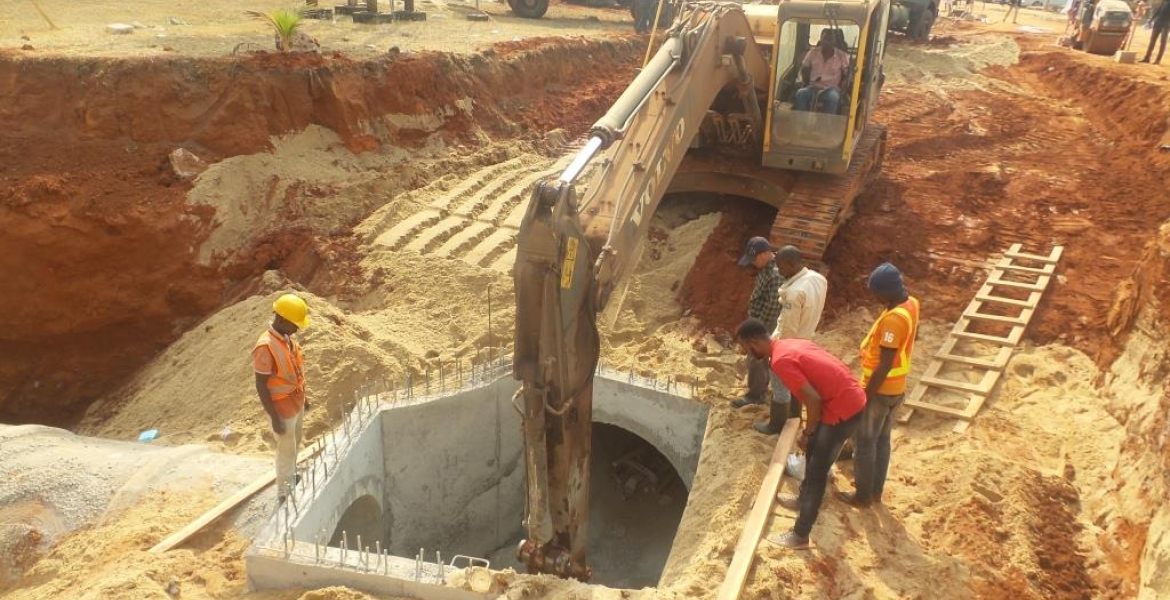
(817, 204)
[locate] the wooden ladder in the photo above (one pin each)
(1006, 302)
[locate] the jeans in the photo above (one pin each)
(288, 444)
(1159, 31)
(644, 15)
(759, 371)
(822, 452)
(871, 453)
(830, 99)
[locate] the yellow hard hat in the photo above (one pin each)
(293, 308)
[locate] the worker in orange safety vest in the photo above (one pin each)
(280, 382)
(885, 362)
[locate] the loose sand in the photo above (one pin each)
(1032, 503)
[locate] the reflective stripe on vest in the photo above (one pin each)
(907, 310)
(290, 366)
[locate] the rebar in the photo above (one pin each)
(440, 375)
(427, 381)
(344, 545)
(378, 549)
(439, 563)
(386, 563)
(418, 561)
(359, 549)
(317, 548)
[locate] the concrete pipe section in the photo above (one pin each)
(429, 479)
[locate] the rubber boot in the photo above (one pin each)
(775, 422)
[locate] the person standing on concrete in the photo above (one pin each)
(1161, 24)
(835, 402)
(280, 382)
(885, 363)
(764, 305)
(802, 300)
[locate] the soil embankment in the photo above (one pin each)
(103, 247)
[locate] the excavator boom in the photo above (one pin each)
(709, 113)
(572, 251)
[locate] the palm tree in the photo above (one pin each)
(284, 23)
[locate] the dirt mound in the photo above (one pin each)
(98, 270)
(229, 107)
(107, 262)
(716, 291)
(973, 169)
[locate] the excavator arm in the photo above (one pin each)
(572, 252)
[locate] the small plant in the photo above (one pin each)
(284, 22)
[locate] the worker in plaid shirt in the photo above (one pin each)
(765, 306)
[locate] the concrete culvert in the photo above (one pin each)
(637, 500)
(363, 518)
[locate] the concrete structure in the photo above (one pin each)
(443, 473)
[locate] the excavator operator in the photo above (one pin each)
(829, 67)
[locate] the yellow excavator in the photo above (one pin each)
(713, 111)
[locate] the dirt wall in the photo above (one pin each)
(101, 245)
(233, 106)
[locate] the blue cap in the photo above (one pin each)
(886, 280)
(755, 246)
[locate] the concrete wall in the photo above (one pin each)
(454, 472)
(448, 473)
(672, 424)
(357, 474)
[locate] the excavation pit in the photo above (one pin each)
(439, 479)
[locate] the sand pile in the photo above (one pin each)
(203, 383)
(955, 67)
(300, 182)
(72, 507)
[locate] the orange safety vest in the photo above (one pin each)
(895, 382)
(287, 383)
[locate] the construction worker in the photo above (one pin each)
(1160, 21)
(764, 305)
(834, 401)
(828, 67)
(644, 15)
(280, 383)
(1013, 11)
(885, 362)
(802, 300)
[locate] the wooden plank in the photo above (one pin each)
(992, 339)
(977, 316)
(1007, 265)
(982, 297)
(954, 412)
(1025, 256)
(745, 550)
(246, 492)
(996, 364)
(1037, 286)
(983, 387)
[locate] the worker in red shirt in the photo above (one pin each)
(834, 402)
(280, 382)
(885, 363)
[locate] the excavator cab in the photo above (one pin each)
(815, 140)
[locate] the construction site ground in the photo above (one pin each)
(382, 177)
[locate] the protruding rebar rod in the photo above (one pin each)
(344, 545)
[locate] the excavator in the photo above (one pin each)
(712, 111)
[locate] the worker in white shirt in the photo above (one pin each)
(802, 300)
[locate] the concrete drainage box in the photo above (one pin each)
(411, 488)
